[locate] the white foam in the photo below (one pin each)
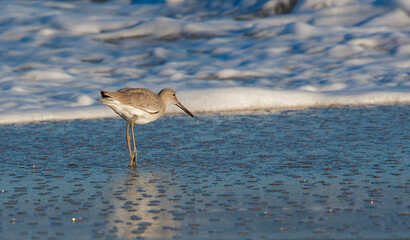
(236, 74)
(38, 75)
(56, 114)
(219, 100)
(241, 99)
(158, 27)
(54, 56)
(309, 5)
(391, 19)
(302, 30)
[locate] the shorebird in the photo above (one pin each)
(139, 106)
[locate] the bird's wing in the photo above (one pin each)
(140, 98)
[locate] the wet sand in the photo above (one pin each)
(316, 173)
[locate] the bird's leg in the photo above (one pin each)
(134, 153)
(128, 142)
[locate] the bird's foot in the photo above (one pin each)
(133, 160)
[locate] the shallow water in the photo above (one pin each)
(315, 173)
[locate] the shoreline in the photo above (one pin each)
(105, 113)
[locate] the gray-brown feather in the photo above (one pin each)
(140, 98)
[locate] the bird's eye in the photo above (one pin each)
(173, 94)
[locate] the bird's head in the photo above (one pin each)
(169, 96)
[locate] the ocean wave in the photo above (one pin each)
(224, 100)
(219, 55)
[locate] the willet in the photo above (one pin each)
(139, 106)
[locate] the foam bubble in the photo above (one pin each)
(38, 75)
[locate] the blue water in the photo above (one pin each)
(315, 173)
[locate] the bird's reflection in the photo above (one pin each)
(144, 206)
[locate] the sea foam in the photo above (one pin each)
(220, 101)
(220, 56)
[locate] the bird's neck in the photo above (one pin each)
(164, 106)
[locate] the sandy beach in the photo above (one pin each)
(315, 173)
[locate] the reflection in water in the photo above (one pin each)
(318, 173)
(143, 206)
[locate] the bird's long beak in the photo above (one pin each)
(183, 108)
